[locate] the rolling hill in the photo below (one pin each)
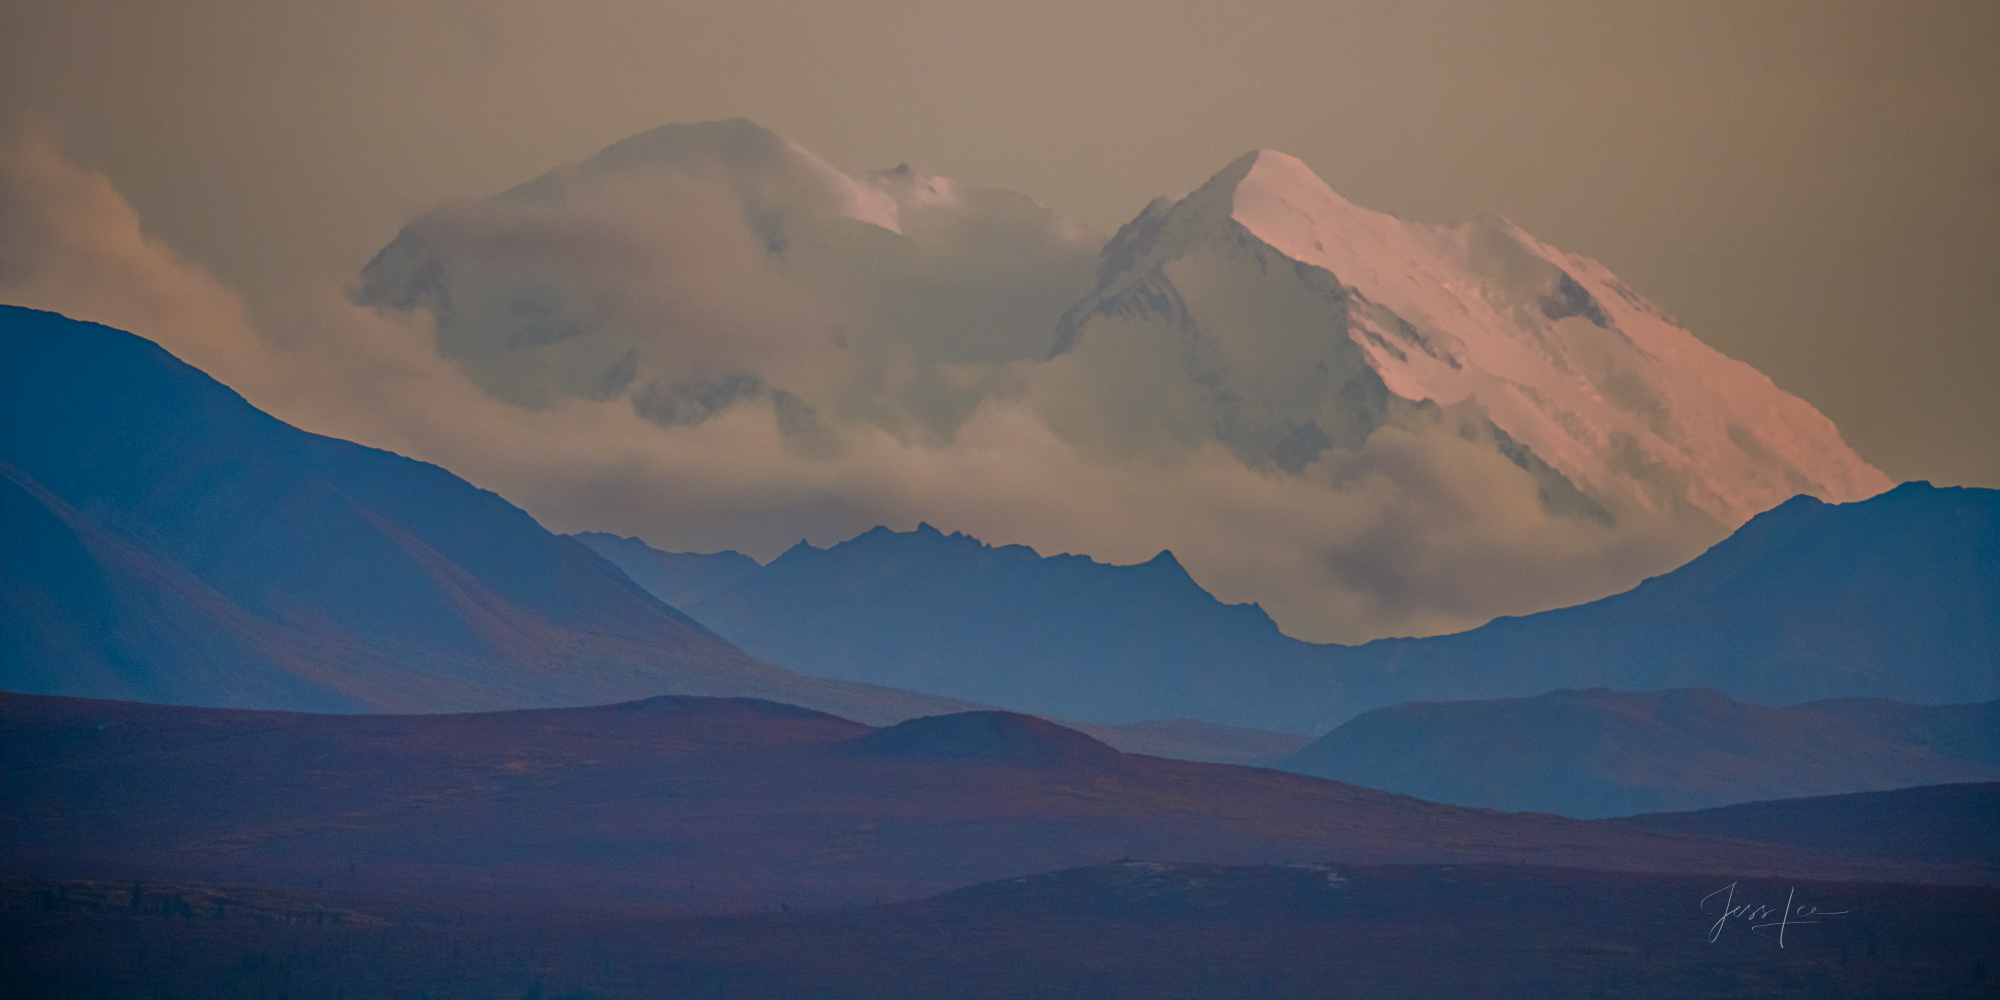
(1933, 822)
(680, 802)
(1596, 753)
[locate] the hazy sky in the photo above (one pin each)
(1811, 187)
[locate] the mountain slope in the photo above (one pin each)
(1616, 409)
(1601, 753)
(82, 611)
(1894, 597)
(678, 578)
(168, 541)
(1064, 636)
(753, 223)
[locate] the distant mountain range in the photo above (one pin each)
(1893, 597)
(1273, 316)
(164, 540)
(1261, 320)
(1064, 636)
(678, 578)
(1601, 753)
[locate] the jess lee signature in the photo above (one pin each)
(1780, 917)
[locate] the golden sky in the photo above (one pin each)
(1811, 187)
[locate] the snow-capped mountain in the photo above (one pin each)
(1369, 426)
(1300, 320)
(692, 267)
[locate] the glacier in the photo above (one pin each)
(1300, 317)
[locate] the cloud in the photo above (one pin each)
(713, 390)
(69, 243)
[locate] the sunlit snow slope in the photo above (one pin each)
(1294, 309)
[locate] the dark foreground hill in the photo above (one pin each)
(1188, 739)
(1601, 753)
(1120, 929)
(163, 540)
(703, 803)
(156, 851)
(1893, 597)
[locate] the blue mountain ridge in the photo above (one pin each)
(163, 540)
(1896, 597)
(1062, 636)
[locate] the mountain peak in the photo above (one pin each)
(1272, 194)
(1615, 409)
(769, 169)
(804, 549)
(1282, 202)
(913, 189)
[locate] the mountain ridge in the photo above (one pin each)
(1459, 301)
(1807, 602)
(167, 540)
(1006, 626)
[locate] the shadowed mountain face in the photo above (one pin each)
(678, 578)
(166, 541)
(1063, 636)
(1606, 753)
(687, 802)
(1893, 597)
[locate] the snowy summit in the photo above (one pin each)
(1304, 317)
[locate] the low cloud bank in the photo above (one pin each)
(726, 367)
